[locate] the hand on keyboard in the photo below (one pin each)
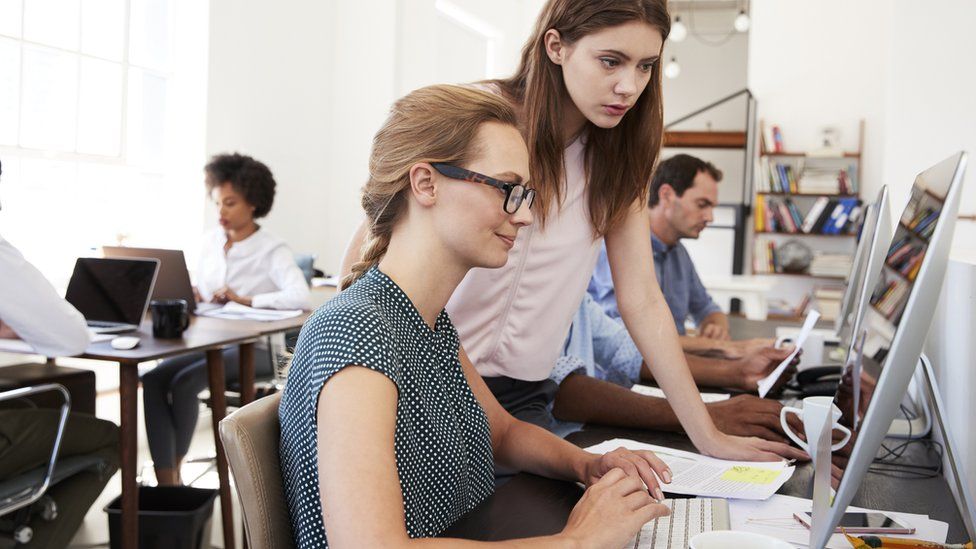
(612, 511)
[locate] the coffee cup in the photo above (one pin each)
(170, 317)
(814, 416)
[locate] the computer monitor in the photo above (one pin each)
(873, 242)
(173, 280)
(896, 324)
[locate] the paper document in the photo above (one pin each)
(657, 392)
(774, 517)
(766, 383)
(697, 475)
(236, 311)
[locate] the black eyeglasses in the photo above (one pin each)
(515, 193)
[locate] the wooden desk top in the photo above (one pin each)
(196, 338)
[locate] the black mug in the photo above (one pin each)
(169, 317)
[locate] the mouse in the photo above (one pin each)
(125, 343)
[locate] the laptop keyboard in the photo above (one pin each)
(689, 517)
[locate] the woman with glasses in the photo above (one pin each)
(386, 433)
(588, 92)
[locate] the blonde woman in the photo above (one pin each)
(388, 435)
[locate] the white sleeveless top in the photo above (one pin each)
(513, 321)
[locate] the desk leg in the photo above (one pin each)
(247, 394)
(247, 373)
(129, 429)
(215, 371)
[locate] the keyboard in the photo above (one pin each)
(689, 516)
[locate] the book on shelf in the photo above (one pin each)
(825, 216)
(803, 176)
(889, 298)
(764, 257)
(907, 257)
(828, 300)
(831, 264)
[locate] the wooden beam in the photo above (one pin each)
(705, 140)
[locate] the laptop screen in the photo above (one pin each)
(112, 290)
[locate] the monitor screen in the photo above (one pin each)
(889, 296)
(112, 290)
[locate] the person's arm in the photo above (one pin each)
(642, 307)
(722, 348)
(362, 502)
(584, 399)
(293, 292)
(354, 250)
(522, 446)
(32, 309)
(710, 321)
(741, 374)
(715, 325)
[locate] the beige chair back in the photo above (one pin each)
(250, 436)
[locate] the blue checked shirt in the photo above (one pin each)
(683, 290)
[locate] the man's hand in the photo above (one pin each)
(715, 326)
(751, 416)
(6, 332)
(748, 370)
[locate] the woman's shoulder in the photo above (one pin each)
(354, 313)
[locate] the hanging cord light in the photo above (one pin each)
(672, 69)
(742, 21)
(721, 41)
(678, 30)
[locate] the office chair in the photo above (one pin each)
(23, 495)
(250, 436)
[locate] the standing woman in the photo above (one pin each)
(241, 262)
(588, 91)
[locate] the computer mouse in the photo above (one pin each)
(125, 343)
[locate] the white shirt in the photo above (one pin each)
(31, 307)
(261, 266)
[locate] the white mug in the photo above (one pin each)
(814, 416)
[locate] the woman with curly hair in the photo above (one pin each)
(241, 262)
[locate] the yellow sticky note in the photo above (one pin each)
(752, 475)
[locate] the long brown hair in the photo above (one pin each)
(618, 162)
(432, 124)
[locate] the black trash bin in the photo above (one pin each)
(170, 517)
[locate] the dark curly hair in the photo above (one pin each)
(248, 177)
(679, 172)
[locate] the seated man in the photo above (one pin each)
(31, 310)
(684, 191)
(598, 347)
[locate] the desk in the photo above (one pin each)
(530, 505)
(209, 339)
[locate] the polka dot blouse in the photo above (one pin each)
(442, 438)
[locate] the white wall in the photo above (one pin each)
(303, 86)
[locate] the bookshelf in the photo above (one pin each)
(811, 198)
(904, 257)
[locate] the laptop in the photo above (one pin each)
(112, 294)
(173, 281)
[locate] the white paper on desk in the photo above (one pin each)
(697, 475)
(236, 311)
(774, 517)
(766, 383)
(657, 392)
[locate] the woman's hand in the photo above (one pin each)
(611, 511)
(641, 464)
(724, 446)
(225, 295)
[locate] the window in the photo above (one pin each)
(101, 122)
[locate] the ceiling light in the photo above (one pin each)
(678, 30)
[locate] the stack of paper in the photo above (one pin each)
(774, 517)
(236, 311)
(656, 392)
(697, 475)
